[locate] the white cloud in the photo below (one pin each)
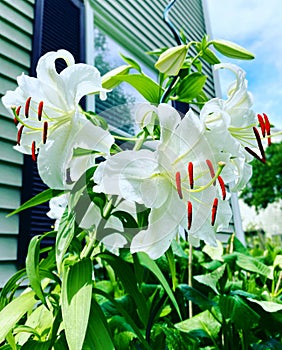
(256, 25)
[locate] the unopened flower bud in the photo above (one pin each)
(171, 61)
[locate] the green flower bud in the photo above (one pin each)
(109, 81)
(171, 61)
(229, 49)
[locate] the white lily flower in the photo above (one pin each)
(49, 116)
(174, 181)
(229, 127)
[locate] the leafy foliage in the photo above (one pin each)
(265, 186)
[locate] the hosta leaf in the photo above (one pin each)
(14, 311)
(236, 310)
(211, 279)
(202, 321)
(251, 264)
(268, 306)
(76, 301)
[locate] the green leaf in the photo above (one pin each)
(211, 279)
(150, 90)
(36, 200)
(229, 49)
(32, 267)
(65, 235)
(251, 264)
(157, 52)
(76, 302)
(190, 87)
(215, 253)
(150, 264)
(268, 306)
(236, 310)
(14, 311)
(97, 335)
(131, 62)
(172, 267)
(36, 345)
(196, 297)
(204, 321)
(128, 279)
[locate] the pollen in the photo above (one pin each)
(18, 110)
(40, 109)
(222, 186)
(191, 175)
(45, 131)
(189, 214)
(19, 135)
(33, 150)
(214, 211)
(27, 105)
(267, 128)
(178, 184)
(261, 149)
(262, 124)
(211, 169)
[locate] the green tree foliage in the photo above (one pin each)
(265, 185)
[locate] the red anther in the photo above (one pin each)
(191, 175)
(267, 128)
(259, 142)
(214, 211)
(222, 186)
(20, 131)
(26, 109)
(18, 110)
(178, 184)
(209, 163)
(262, 124)
(189, 213)
(254, 154)
(33, 149)
(16, 121)
(45, 130)
(39, 111)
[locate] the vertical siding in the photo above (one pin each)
(137, 25)
(16, 27)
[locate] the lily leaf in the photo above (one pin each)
(14, 311)
(211, 279)
(268, 306)
(190, 87)
(76, 302)
(36, 200)
(150, 90)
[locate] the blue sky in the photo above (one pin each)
(257, 26)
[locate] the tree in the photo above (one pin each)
(265, 185)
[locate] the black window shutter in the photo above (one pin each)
(58, 24)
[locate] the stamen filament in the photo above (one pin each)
(178, 184)
(189, 214)
(254, 154)
(222, 186)
(26, 109)
(19, 135)
(191, 175)
(214, 211)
